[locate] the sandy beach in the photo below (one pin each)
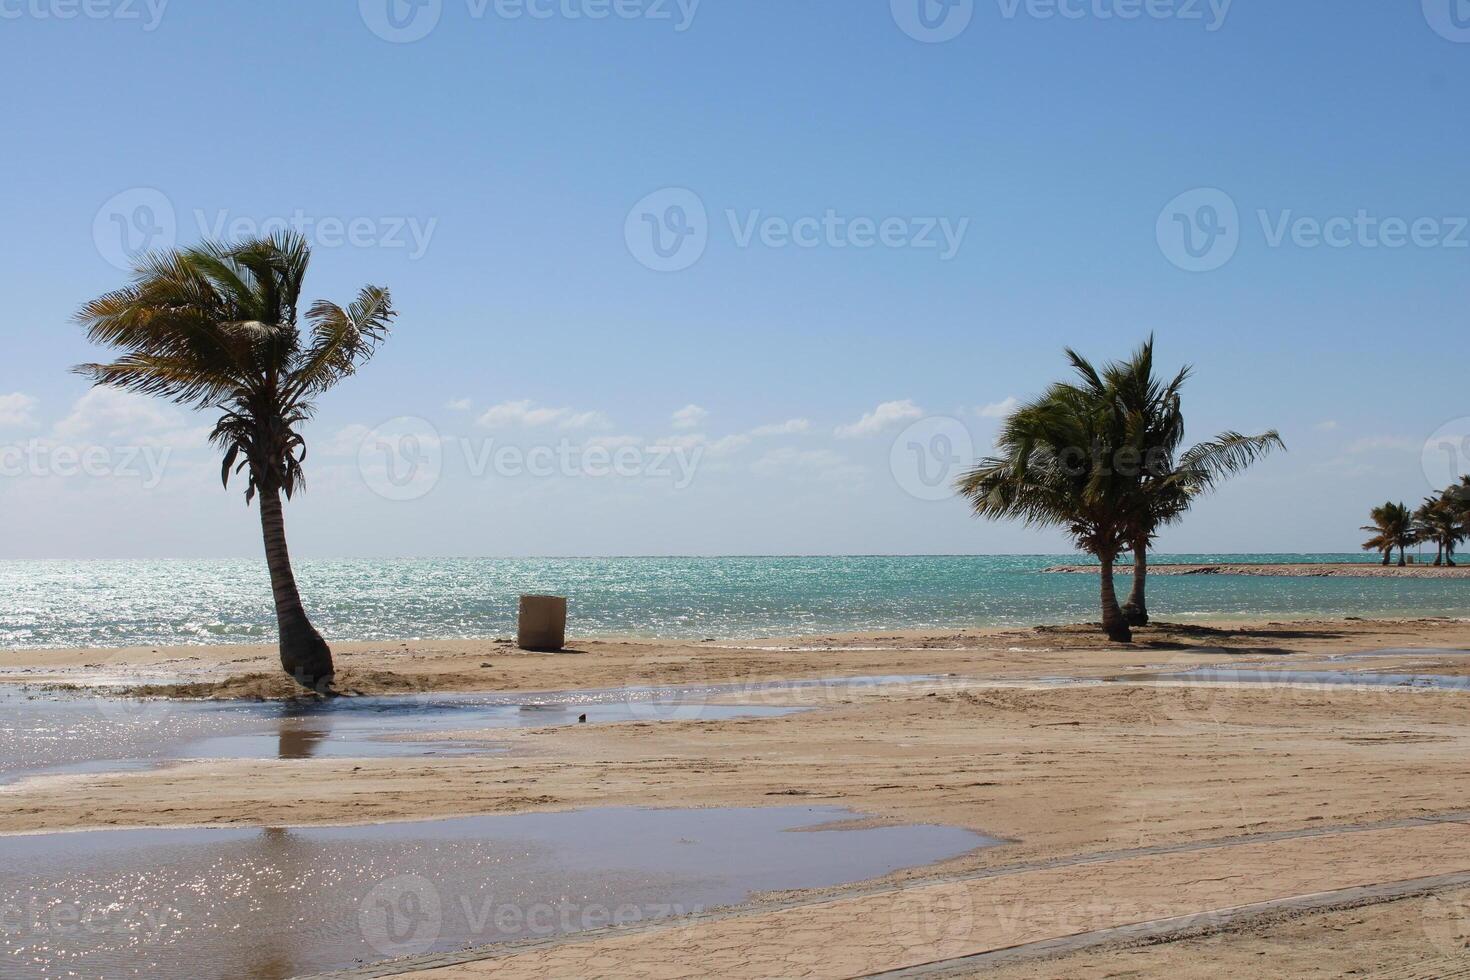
(1141, 782)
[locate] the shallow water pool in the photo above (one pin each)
(49, 733)
(277, 902)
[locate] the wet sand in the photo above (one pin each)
(1104, 775)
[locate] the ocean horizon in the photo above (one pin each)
(109, 603)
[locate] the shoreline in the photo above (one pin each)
(251, 672)
(1278, 570)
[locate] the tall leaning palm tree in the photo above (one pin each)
(216, 327)
(1054, 469)
(1392, 527)
(1151, 427)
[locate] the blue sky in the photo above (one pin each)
(498, 172)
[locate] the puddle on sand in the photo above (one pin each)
(66, 733)
(1315, 678)
(268, 903)
(1401, 652)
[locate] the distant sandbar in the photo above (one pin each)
(1289, 570)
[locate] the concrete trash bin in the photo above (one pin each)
(543, 623)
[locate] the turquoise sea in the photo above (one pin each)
(130, 603)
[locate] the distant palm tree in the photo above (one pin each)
(216, 327)
(1441, 520)
(1151, 425)
(1054, 469)
(1392, 527)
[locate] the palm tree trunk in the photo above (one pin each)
(304, 654)
(1135, 610)
(1112, 617)
(1387, 556)
(1439, 553)
(1402, 562)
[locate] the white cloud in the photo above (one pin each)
(728, 445)
(346, 441)
(17, 410)
(804, 463)
(527, 414)
(880, 418)
(1000, 409)
(458, 405)
(124, 418)
(612, 442)
(788, 428)
(1393, 444)
(1327, 425)
(690, 417)
(109, 412)
(686, 441)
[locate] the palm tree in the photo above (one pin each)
(1392, 527)
(1439, 519)
(1153, 428)
(215, 327)
(1055, 469)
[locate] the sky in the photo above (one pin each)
(742, 277)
